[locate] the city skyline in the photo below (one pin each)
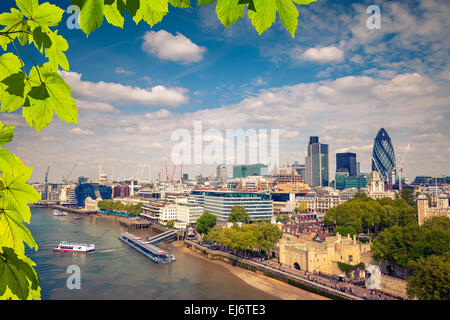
(335, 79)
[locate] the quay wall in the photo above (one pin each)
(270, 272)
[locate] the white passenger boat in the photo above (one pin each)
(74, 247)
(59, 213)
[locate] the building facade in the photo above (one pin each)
(316, 163)
(424, 211)
(383, 157)
(258, 205)
(245, 170)
(347, 161)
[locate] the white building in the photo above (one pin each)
(375, 187)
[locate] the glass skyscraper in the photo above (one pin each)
(316, 163)
(383, 157)
(347, 161)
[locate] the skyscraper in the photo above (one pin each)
(316, 163)
(383, 157)
(347, 161)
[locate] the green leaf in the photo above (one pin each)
(229, 11)
(250, 4)
(11, 19)
(55, 53)
(133, 6)
(13, 232)
(180, 3)
(264, 16)
(304, 2)
(53, 94)
(16, 274)
(288, 14)
(113, 14)
(204, 2)
(149, 15)
(9, 64)
(15, 84)
(41, 38)
(91, 15)
(6, 133)
(15, 193)
(27, 6)
(47, 15)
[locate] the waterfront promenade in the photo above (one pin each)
(322, 283)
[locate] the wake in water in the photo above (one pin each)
(110, 250)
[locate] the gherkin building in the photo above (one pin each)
(383, 156)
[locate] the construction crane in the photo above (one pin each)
(70, 173)
(401, 167)
(167, 176)
(173, 174)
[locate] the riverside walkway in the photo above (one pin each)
(346, 290)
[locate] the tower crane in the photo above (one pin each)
(401, 167)
(70, 173)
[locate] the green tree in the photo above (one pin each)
(430, 278)
(408, 196)
(344, 231)
(205, 223)
(41, 92)
(170, 224)
(239, 214)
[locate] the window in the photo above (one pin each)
(350, 258)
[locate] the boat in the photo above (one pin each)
(59, 213)
(74, 247)
(150, 251)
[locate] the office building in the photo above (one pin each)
(316, 167)
(258, 205)
(347, 161)
(245, 170)
(383, 157)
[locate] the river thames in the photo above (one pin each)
(116, 271)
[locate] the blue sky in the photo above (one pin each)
(336, 79)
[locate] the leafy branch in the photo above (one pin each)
(42, 92)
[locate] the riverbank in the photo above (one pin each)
(278, 289)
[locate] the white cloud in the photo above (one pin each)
(412, 84)
(176, 48)
(159, 96)
(95, 106)
(120, 70)
(322, 55)
(258, 81)
(81, 132)
(160, 114)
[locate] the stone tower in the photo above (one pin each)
(422, 208)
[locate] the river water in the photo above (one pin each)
(116, 271)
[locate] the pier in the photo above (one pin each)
(136, 223)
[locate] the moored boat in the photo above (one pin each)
(152, 252)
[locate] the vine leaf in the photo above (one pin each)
(15, 193)
(288, 14)
(91, 15)
(229, 11)
(55, 52)
(113, 15)
(180, 3)
(6, 133)
(148, 13)
(16, 274)
(53, 94)
(264, 16)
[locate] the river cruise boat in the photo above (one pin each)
(59, 213)
(152, 252)
(74, 247)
